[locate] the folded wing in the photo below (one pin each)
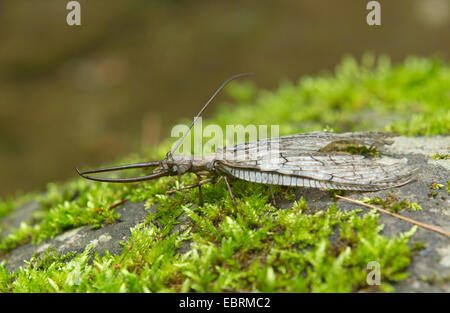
(315, 160)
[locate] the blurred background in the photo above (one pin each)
(84, 95)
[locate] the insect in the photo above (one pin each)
(315, 159)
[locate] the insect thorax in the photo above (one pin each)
(187, 163)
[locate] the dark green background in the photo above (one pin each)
(85, 95)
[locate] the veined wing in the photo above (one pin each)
(293, 165)
(312, 142)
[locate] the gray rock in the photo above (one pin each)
(105, 238)
(23, 215)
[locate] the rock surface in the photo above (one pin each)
(105, 238)
(430, 267)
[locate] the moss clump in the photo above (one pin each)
(351, 148)
(440, 156)
(393, 204)
(64, 207)
(434, 187)
(434, 280)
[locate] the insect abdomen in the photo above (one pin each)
(272, 178)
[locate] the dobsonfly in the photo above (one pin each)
(314, 159)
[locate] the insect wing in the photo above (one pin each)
(308, 160)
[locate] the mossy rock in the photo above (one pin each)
(309, 243)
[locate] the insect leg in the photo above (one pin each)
(202, 182)
(199, 190)
(274, 202)
(229, 191)
(218, 180)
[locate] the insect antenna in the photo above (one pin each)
(155, 163)
(124, 167)
(204, 107)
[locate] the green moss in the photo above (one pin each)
(440, 156)
(393, 204)
(9, 204)
(350, 148)
(254, 247)
(418, 246)
(63, 210)
(434, 189)
(407, 98)
(434, 280)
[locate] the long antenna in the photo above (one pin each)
(204, 107)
